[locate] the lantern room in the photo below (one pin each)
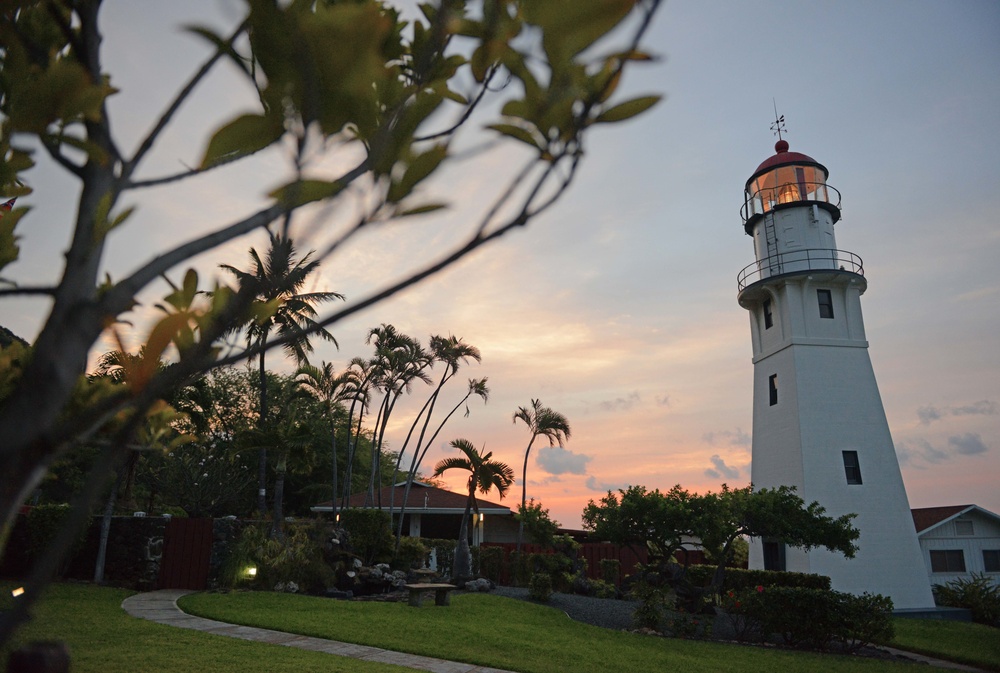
(787, 179)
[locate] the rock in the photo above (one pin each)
(481, 584)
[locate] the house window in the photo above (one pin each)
(947, 561)
(825, 303)
(991, 560)
(774, 555)
(772, 388)
(768, 318)
(852, 467)
(964, 527)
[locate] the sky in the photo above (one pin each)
(618, 307)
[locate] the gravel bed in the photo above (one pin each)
(607, 613)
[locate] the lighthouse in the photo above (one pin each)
(818, 420)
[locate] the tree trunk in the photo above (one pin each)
(278, 524)
(461, 567)
(333, 443)
(102, 548)
(262, 452)
(524, 495)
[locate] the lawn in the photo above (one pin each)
(504, 633)
(972, 644)
(477, 628)
(103, 639)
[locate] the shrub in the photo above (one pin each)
(297, 559)
(540, 587)
(602, 589)
(43, 524)
(864, 620)
(811, 618)
(370, 533)
(444, 554)
(491, 562)
(740, 579)
(520, 573)
(411, 554)
(611, 570)
(650, 589)
(978, 594)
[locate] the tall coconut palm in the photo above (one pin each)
(332, 390)
(542, 422)
(399, 361)
(485, 474)
(452, 352)
(364, 372)
(274, 283)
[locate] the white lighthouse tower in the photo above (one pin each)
(818, 421)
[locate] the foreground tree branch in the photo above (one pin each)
(345, 71)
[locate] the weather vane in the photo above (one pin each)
(779, 122)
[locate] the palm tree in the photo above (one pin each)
(399, 361)
(485, 474)
(452, 352)
(274, 283)
(332, 390)
(544, 422)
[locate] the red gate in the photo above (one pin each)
(187, 550)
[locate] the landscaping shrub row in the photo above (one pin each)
(809, 618)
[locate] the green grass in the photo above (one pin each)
(972, 644)
(504, 633)
(103, 639)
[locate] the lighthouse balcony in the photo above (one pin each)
(761, 200)
(800, 261)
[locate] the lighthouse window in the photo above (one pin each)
(947, 561)
(825, 303)
(768, 319)
(852, 467)
(772, 388)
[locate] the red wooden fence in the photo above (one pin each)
(187, 551)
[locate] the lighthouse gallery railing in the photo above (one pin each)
(812, 259)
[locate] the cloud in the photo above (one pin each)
(969, 444)
(721, 471)
(621, 403)
(734, 437)
(603, 486)
(557, 460)
(919, 452)
(980, 408)
(663, 400)
(929, 414)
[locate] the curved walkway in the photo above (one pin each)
(161, 607)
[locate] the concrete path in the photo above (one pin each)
(161, 607)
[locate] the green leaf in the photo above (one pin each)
(242, 136)
(628, 109)
(420, 210)
(570, 26)
(421, 167)
(301, 192)
(9, 250)
(518, 133)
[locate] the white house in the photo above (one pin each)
(957, 541)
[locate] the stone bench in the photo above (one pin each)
(441, 592)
